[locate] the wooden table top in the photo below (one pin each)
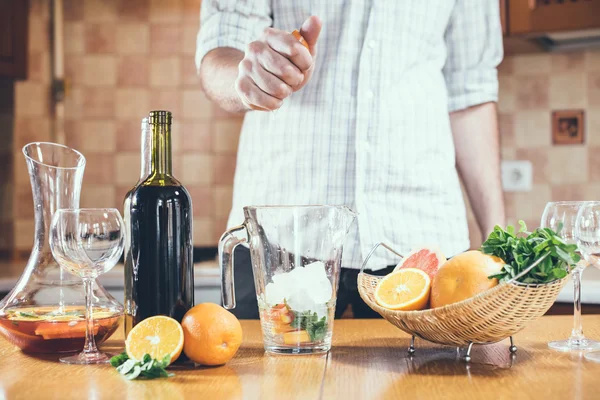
(368, 361)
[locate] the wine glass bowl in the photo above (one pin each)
(587, 232)
(87, 243)
(561, 217)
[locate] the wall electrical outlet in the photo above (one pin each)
(517, 176)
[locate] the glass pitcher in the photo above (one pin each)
(44, 312)
(296, 254)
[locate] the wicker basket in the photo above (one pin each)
(489, 317)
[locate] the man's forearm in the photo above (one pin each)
(476, 140)
(218, 73)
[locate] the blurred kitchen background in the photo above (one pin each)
(84, 72)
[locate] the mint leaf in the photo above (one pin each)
(119, 359)
(148, 368)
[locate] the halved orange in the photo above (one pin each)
(407, 289)
(158, 336)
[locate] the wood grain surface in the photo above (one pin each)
(368, 361)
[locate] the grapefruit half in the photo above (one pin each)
(428, 259)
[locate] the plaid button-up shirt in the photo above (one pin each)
(371, 130)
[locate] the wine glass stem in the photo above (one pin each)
(577, 333)
(90, 342)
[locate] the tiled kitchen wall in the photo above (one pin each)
(124, 58)
(531, 87)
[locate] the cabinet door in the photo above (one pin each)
(503, 19)
(539, 16)
(13, 38)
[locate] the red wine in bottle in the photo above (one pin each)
(159, 269)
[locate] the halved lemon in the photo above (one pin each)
(158, 336)
(407, 289)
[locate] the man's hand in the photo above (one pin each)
(277, 65)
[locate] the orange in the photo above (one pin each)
(406, 289)
(463, 277)
(212, 334)
(427, 259)
(299, 37)
(158, 336)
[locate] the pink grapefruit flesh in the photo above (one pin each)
(427, 259)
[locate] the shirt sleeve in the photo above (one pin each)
(231, 23)
(474, 45)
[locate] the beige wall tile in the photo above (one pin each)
(31, 99)
(134, 10)
(507, 94)
(120, 193)
(508, 153)
(38, 67)
(127, 168)
(38, 39)
(74, 69)
(167, 99)
(27, 130)
(98, 136)
(224, 169)
(98, 196)
(198, 169)
(532, 92)
(529, 64)
(100, 70)
(196, 137)
(165, 39)
(506, 126)
(132, 103)
(593, 85)
(98, 102)
(539, 160)
(128, 135)
(594, 163)
(592, 60)
(567, 62)
(592, 191)
(567, 164)
(226, 135)
(74, 38)
(220, 226)
(191, 10)
(99, 38)
(190, 31)
(134, 38)
(202, 199)
(189, 75)
(73, 10)
(569, 192)
(100, 168)
(133, 70)
(165, 72)
(592, 131)
(74, 103)
(506, 67)
(100, 11)
(530, 205)
(533, 129)
(196, 105)
(567, 91)
(163, 11)
(24, 232)
(223, 200)
(203, 231)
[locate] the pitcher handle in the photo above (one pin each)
(368, 257)
(227, 244)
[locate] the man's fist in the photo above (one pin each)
(277, 65)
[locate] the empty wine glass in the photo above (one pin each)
(587, 232)
(87, 242)
(561, 217)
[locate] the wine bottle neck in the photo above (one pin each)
(161, 150)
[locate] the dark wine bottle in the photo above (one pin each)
(159, 270)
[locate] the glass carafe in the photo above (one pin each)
(296, 254)
(44, 312)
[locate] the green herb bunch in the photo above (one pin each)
(521, 249)
(316, 328)
(148, 368)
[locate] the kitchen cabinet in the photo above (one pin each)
(526, 17)
(13, 38)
